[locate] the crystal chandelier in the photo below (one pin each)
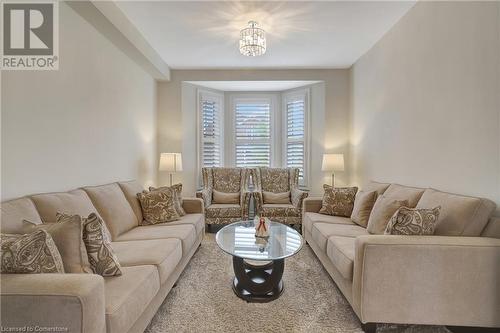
(252, 40)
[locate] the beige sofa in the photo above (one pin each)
(452, 278)
(152, 258)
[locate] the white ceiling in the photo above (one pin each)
(252, 85)
(309, 34)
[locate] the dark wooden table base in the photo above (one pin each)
(258, 283)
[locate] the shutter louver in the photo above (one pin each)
(211, 141)
(253, 134)
(295, 155)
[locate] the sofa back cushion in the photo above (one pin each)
(131, 189)
(380, 188)
(75, 202)
(492, 229)
(113, 207)
(13, 212)
(401, 192)
(460, 215)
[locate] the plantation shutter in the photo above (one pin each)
(211, 152)
(295, 135)
(253, 133)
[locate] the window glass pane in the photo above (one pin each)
(253, 154)
(211, 147)
(295, 117)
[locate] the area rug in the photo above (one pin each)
(203, 300)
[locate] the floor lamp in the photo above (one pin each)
(333, 162)
(172, 163)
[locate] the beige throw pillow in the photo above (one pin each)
(68, 237)
(276, 198)
(158, 206)
(32, 253)
(177, 188)
(225, 198)
(102, 258)
(382, 212)
(338, 201)
(363, 204)
(413, 221)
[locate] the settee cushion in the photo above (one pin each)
(223, 210)
(130, 190)
(113, 207)
(281, 210)
(185, 232)
(363, 204)
(75, 202)
(276, 198)
(13, 212)
(340, 250)
(322, 231)
(401, 192)
(225, 198)
(380, 188)
(382, 212)
(460, 215)
(165, 254)
(311, 218)
(128, 295)
(197, 220)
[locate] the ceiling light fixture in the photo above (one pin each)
(252, 40)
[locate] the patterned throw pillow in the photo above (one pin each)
(30, 253)
(178, 196)
(413, 221)
(338, 201)
(382, 211)
(158, 206)
(102, 259)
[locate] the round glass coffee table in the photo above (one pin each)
(258, 263)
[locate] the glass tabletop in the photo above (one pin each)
(238, 239)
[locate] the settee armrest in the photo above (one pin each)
(72, 302)
(193, 205)
(311, 205)
(427, 280)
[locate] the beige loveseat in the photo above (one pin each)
(152, 258)
(452, 278)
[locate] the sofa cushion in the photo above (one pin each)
(283, 210)
(165, 254)
(492, 229)
(340, 250)
(322, 231)
(338, 201)
(223, 210)
(75, 202)
(413, 221)
(128, 295)
(177, 188)
(158, 206)
(460, 215)
(225, 198)
(113, 207)
(363, 204)
(13, 212)
(185, 232)
(130, 190)
(380, 188)
(197, 220)
(401, 192)
(310, 218)
(382, 212)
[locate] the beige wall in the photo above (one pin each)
(425, 101)
(333, 125)
(90, 122)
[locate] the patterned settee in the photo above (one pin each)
(225, 182)
(278, 180)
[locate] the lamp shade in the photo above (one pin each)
(171, 162)
(333, 162)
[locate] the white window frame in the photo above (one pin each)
(272, 99)
(286, 97)
(207, 95)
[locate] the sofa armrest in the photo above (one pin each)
(193, 205)
(311, 205)
(427, 280)
(73, 302)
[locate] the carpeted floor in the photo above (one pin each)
(203, 300)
